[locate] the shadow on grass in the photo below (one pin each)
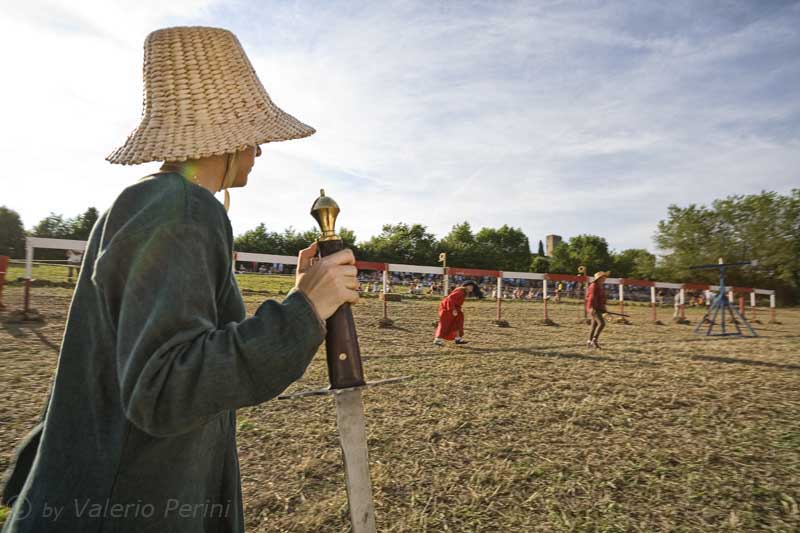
(749, 362)
(20, 331)
(440, 352)
(476, 350)
(398, 328)
(572, 355)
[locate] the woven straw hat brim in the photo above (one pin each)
(202, 97)
(153, 143)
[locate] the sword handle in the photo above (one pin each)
(341, 344)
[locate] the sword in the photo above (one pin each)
(617, 314)
(346, 376)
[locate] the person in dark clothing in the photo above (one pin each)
(596, 306)
(139, 433)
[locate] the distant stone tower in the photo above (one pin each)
(552, 242)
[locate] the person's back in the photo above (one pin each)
(137, 419)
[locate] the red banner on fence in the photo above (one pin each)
(565, 277)
(742, 289)
(639, 282)
(370, 265)
(455, 271)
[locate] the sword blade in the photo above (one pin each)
(353, 438)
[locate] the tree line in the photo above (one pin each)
(763, 227)
(54, 226)
(504, 248)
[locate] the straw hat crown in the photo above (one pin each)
(202, 97)
(600, 274)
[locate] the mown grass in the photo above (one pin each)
(523, 429)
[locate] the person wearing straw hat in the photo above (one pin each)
(451, 318)
(140, 429)
(596, 306)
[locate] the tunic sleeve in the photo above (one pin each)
(591, 296)
(177, 367)
(454, 300)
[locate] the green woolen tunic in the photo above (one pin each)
(140, 430)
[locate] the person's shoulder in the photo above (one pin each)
(160, 200)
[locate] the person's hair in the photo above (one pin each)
(476, 290)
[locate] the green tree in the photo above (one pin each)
(401, 243)
(504, 248)
(764, 227)
(81, 226)
(293, 241)
(12, 234)
(53, 226)
(349, 238)
(288, 242)
(590, 251)
(460, 246)
(635, 263)
(540, 264)
(562, 260)
(540, 252)
(259, 241)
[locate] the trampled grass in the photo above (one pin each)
(522, 429)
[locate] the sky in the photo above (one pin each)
(551, 116)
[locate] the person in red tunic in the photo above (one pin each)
(451, 318)
(596, 306)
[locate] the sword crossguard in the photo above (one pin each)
(331, 391)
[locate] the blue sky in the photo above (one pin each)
(555, 117)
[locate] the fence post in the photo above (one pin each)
(682, 304)
(28, 259)
(741, 305)
(385, 290)
(773, 319)
(3, 270)
(385, 322)
(653, 303)
(621, 298)
(28, 274)
(446, 281)
(544, 299)
(499, 322)
(753, 304)
(499, 296)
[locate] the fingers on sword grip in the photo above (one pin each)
(341, 343)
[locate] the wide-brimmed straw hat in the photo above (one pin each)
(202, 97)
(601, 274)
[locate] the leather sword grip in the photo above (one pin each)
(341, 344)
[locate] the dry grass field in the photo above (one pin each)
(522, 429)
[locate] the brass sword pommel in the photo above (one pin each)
(325, 210)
